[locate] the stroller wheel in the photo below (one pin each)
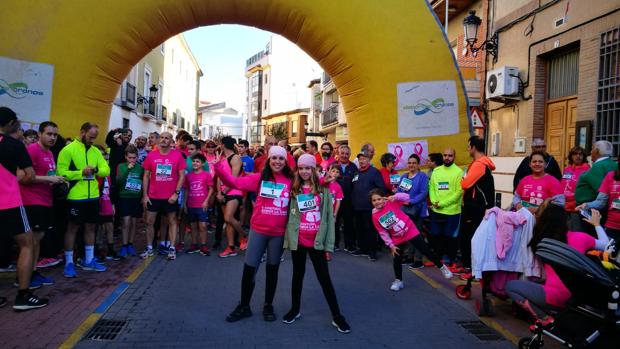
(463, 292)
(528, 343)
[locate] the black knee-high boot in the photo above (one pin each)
(271, 282)
(247, 284)
(247, 287)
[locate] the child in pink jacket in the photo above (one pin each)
(397, 230)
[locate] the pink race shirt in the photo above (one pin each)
(39, 194)
(336, 191)
(310, 211)
(555, 292)
(198, 185)
(533, 191)
(226, 168)
(164, 173)
(271, 208)
(569, 183)
(611, 187)
(393, 225)
(105, 204)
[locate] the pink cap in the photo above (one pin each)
(277, 150)
(306, 160)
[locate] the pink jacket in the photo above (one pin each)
(506, 222)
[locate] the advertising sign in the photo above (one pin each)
(428, 108)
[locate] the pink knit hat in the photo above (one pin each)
(277, 150)
(306, 160)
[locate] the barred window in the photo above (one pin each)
(608, 99)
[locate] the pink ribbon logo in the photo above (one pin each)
(398, 152)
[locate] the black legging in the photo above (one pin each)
(319, 262)
(470, 220)
(419, 244)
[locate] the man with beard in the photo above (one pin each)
(80, 162)
(445, 194)
(327, 156)
(141, 146)
(117, 140)
(152, 142)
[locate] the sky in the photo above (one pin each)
(221, 51)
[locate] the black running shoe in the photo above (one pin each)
(29, 301)
(291, 316)
(240, 312)
(268, 313)
(372, 256)
(341, 324)
(359, 253)
(2, 301)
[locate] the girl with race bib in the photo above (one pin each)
(310, 231)
(397, 231)
(267, 226)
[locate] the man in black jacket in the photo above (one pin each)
(524, 170)
(117, 140)
(345, 214)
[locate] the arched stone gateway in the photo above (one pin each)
(367, 47)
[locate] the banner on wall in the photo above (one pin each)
(26, 87)
(428, 108)
(403, 150)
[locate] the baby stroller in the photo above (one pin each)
(591, 317)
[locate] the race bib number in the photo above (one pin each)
(355, 178)
(88, 178)
(615, 204)
(567, 176)
(271, 190)
(405, 184)
(51, 172)
(394, 179)
(388, 220)
(163, 170)
(443, 186)
(133, 184)
(306, 202)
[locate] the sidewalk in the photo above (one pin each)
(71, 302)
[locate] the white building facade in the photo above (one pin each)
(218, 121)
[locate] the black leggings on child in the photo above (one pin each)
(319, 262)
(419, 244)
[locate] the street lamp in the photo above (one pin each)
(312, 134)
(471, 24)
(151, 98)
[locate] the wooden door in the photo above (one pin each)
(560, 128)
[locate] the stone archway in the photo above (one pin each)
(367, 47)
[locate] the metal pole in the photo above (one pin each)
(446, 19)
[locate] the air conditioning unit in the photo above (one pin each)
(503, 83)
(128, 96)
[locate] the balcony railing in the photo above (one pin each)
(330, 115)
(326, 78)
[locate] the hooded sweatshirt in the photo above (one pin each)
(478, 184)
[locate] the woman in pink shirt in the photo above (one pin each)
(534, 189)
(310, 231)
(397, 231)
(537, 298)
(608, 198)
(267, 226)
(576, 167)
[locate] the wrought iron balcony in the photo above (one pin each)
(330, 115)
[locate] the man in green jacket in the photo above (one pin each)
(80, 162)
(446, 195)
(590, 181)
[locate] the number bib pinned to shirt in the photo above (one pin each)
(405, 184)
(615, 204)
(306, 202)
(133, 184)
(394, 179)
(388, 220)
(270, 189)
(567, 176)
(443, 186)
(163, 171)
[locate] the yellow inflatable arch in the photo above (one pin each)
(367, 47)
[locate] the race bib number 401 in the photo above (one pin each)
(306, 202)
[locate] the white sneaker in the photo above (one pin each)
(397, 285)
(446, 272)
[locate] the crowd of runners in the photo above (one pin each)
(77, 203)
